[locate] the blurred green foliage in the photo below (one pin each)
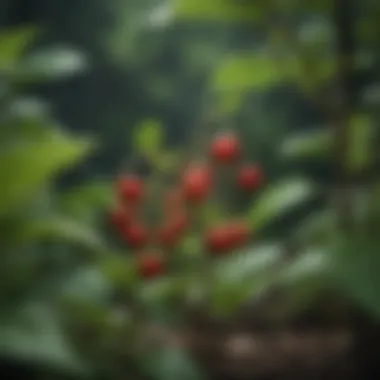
(61, 269)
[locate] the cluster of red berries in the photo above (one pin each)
(195, 186)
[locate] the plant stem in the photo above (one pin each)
(343, 21)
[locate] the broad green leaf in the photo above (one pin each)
(218, 10)
(303, 280)
(279, 199)
(316, 143)
(13, 43)
(361, 148)
(29, 108)
(248, 72)
(313, 262)
(53, 64)
(34, 335)
(318, 227)
(87, 284)
(148, 138)
(246, 264)
(27, 166)
(355, 268)
(172, 363)
(64, 229)
(87, 201)
(243, 277)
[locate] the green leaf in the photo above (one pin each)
(246, 264)
(27, 166)
(67, 229)
(148, 138)
(89, 285)
(248, 72)
(355, 268)
(217, 10)
(318, 227)
(53, 64)
(172, 363)
(317, 143)
(13, 43)
(280, 199)
(85, 202)
(29, 108)
(303, 280)
(313, 262)
(34, 335)
(243, 277)
(361, 149)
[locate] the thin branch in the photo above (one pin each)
(343, 13)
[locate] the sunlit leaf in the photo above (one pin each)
(247, 263)
(248, 72)
(279, 199)
(13, 43)
(313, 262)
(53, 64)
(29, 108)
(316, 143)
(26, 166)
(148, 138)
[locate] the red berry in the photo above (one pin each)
(136, 235)
(225, 148)
(249, 177)
(150, 265)
(217, 240)
(196, 183)
(130, 189)
(227, 237)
